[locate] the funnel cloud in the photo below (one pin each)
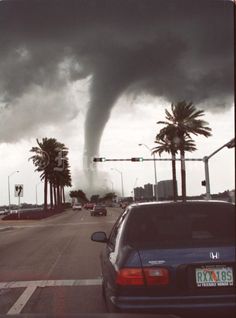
(173, 49)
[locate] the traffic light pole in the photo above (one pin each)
(230, 144)
(207, 178)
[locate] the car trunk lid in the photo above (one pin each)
(193, 270)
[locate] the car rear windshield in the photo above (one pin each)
(181, 225)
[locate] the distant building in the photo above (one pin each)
(148, 191)
(138, 193)
(165, 190)
(144, 193)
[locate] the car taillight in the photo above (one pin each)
(156, 276)
(130, 276)
(138, 276)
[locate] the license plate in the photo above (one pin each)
(214, 276)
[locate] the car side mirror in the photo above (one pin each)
(100, 237)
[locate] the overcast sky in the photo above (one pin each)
(97, 75)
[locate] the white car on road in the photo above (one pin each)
(77, 206)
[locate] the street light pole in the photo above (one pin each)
(155, 172)
(9, 195)
(155, 169)
(122, 182)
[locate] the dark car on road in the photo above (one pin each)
(171, 257)
(98, 210)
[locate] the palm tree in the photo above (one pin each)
(60, 174)
(61, 179)
(43, 161)
(165, 138)
(186, 120)
(168, 142)
(66, 182)
(46, 160)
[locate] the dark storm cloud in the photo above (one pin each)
(173, 49)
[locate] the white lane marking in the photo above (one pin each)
(22, 300)
(50, 283)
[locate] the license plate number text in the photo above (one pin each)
(213, 277)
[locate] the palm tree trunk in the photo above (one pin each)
(45, 193)
(174, 177)
(63, 194)
(58, 197)
(51, 196)
(183, 175)
(55, 195)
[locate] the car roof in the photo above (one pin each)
(179, 203)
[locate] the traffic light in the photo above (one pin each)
(137, 159)
(99, 159)
(204, 183)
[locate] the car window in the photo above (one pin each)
(115, 229)
(185, 225)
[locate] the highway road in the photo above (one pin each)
(51, 266)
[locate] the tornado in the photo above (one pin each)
(107, 86)
(176, 49)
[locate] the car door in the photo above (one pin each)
(109, 255)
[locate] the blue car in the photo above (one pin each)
(171, 257)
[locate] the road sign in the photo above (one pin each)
(19, 190)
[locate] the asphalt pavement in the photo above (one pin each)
(51, 266)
